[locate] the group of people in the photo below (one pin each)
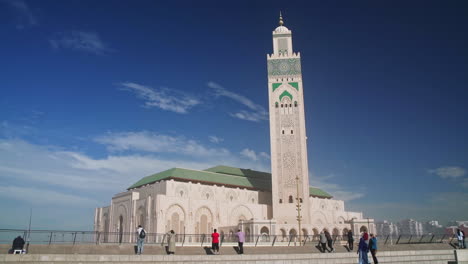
(367, 244)
(171, 239)
(326, 239)
(461, 239)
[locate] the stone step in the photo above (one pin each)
(407, 257)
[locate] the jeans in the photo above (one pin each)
(363, 257)
(140, 243)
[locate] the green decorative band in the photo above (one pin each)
(285, 93)
(284, 67)
(295, 85)
(276, 85)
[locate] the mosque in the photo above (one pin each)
(227, 198)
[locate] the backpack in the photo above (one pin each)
(142, 233)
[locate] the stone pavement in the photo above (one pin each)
(157, 249)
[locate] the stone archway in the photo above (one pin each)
(175, 219)
(345, 232)
(283, 234)
(265, 233)
(240, 212)
(121, 227)
(363, 229)
(335, 233)
(203, 221)
(141, 215)
(106, 227)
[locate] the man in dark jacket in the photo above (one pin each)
(350, 240)
(329, 241)
(18, 243)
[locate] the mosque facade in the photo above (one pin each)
(227, 198)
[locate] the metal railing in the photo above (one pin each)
(91, 237)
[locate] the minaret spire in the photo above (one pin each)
(281, 20)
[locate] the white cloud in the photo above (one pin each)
(25, 17)
(80, 40)
(48, 176)
(166, 99)
(38, 196)
(257, 113)
(252, 155)
(449, 172)
(265, 155)
(249, 154)
(153, 142)
(337, 191)
(215, 139)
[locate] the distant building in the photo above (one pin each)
(385, 228)
(433, 227)
(462, 225)
(410, 227)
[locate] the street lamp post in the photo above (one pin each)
(298, 205)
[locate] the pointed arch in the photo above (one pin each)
(239, 211)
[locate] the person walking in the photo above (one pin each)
(171, 238)
(460, 237)
(241, 239)
(373, 248)
(215, 242)
(140, 239)
(350, 240)
(323, 241)
(363, 248)
(329, 241)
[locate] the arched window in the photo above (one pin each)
(281, 201)
(300, 200)
(292, 132)
(290, 199)
(295, 103)
(276, 104)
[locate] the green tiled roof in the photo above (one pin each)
(222, 175)
(251, 179)
(241, 172)
(316, 192)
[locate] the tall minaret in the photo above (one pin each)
(287, 130)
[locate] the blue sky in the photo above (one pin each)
(97, 94)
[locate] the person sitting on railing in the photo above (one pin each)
(18, 244)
